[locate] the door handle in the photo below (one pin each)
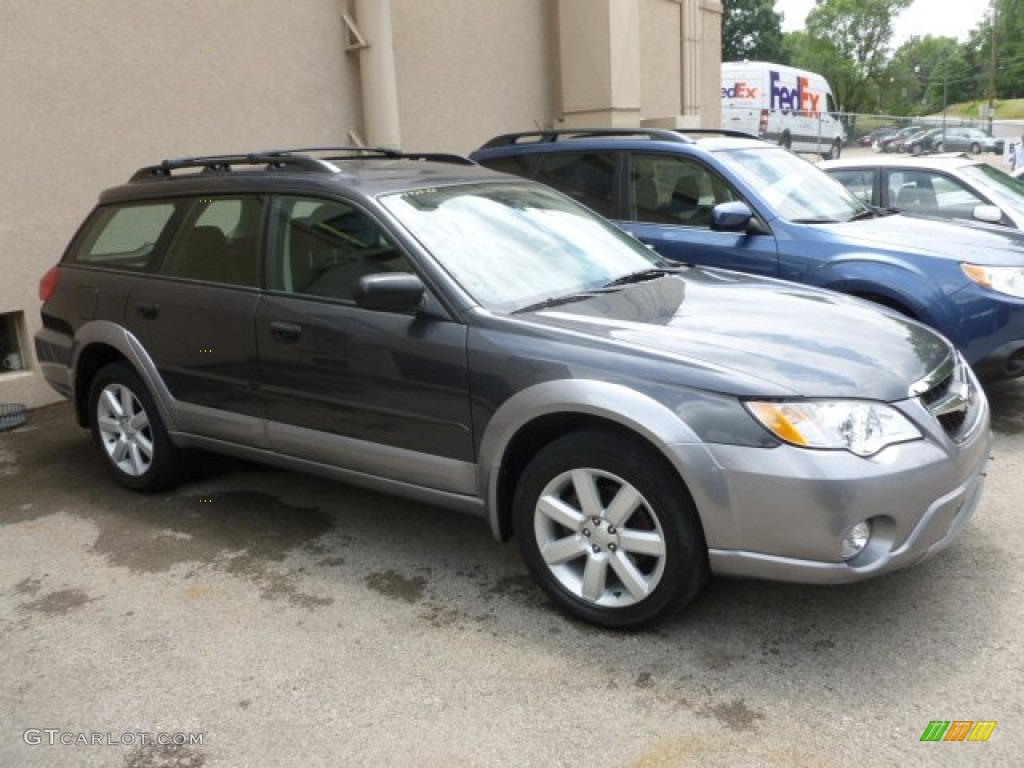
(148, 310)
(285, 332)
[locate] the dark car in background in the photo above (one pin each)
(730, 201)
(876, 135)
(422, 326)
(921, 142)
(891, 142)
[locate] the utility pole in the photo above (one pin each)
(992, 67)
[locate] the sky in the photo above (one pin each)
(945, 18)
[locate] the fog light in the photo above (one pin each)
(855, 539)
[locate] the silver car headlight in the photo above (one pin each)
(1008, 280)
(860, 427)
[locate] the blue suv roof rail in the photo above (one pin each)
(292, 159)
(654, 134)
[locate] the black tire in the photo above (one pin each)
(940, 147)
(834, 151)
(915, 149)
(646, 561)
(128, 431)
(786, 141)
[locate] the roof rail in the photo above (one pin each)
(292, 159)
(654, 134)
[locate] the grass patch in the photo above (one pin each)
(1006, 109)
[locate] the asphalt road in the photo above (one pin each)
(286, 621)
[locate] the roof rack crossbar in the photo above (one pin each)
(539, 137)
(299, 159)
(680, 135)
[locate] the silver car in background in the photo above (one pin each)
(950, 186)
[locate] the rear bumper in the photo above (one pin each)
(53, 351)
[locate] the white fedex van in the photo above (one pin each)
(791, 106)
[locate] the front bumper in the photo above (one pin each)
(781, 513)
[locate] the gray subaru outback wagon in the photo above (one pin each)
(422, 326)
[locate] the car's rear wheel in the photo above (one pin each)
(975, 148)
(127, 428)
(609, 530)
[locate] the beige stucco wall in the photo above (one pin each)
(660, 52)
(469, 69)
(92, 89)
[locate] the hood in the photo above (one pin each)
(991, 245)
(796, 339)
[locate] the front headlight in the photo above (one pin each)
(1008, 280)
(858, 426)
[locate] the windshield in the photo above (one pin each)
(511, 245)
(793, 188)
(1005, 191)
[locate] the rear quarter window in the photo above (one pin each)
(123, 237)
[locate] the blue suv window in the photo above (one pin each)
(587, 177)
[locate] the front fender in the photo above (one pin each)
(897, 284)
(616, 403)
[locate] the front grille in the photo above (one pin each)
(936, 393)
(952, 423)
(952, 401)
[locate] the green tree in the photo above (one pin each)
(751, 29)
(927, 73)
(847, 42)
(1009, 50)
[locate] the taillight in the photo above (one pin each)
(48, 284)
(762, 124)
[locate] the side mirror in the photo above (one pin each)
(987, 213)
(389, 292)
(731, 217)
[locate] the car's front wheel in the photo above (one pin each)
(609, 530)
(834, 151)
(127, 428)
(975, 148)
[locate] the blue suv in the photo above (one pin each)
(727, 200)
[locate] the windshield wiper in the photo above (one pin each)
(554, 301)
(638, 277)
(819, 220)
(867, 213)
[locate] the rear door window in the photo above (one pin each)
(219, 242)
(124, 237)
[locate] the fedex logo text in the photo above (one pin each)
(800, 100)
(739, 91)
